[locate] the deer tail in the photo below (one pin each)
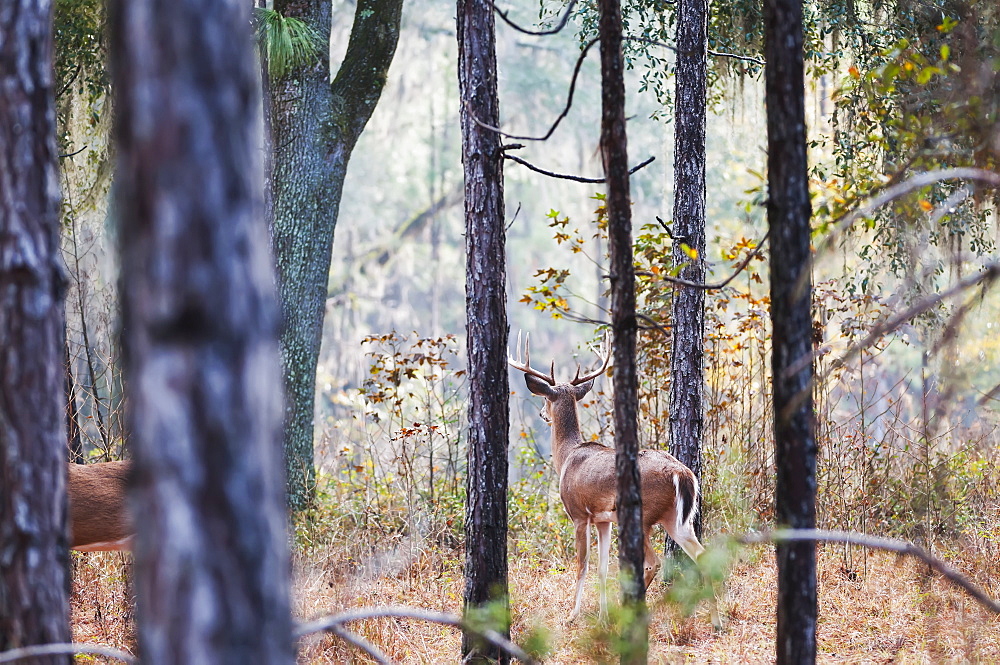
(686, 486)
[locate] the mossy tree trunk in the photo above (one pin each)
(34, 563)
(316, 125)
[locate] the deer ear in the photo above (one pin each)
(582, 389)
(537, 386)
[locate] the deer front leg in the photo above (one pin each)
(582, 554)
(603, 554)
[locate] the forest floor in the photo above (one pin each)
(883, 609)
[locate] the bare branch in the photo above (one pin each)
(890, 324)
(63, 649)
(574, 178)
(875, 542)
(899, 190)
(562, 114)
(542, 33)
(329, 623)
(719, 285)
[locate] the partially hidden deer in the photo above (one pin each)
(99, 520)
(588, 485)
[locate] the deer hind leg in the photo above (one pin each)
(582, 554)
(604, 553)
(683, 535)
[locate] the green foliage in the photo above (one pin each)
(289, 42)
(80, 53)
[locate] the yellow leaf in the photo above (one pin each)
(926, 205)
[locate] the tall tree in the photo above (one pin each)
(614, 153)
(34, 563)
(486, 319)
(687, 383)
(788, 213)
(316, 125)
(199, 336)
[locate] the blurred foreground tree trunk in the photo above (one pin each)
(788, 214)
(687, 375)
(316, 125)
(614, 152)
(199, 336)
(486, 321)
(34, 560)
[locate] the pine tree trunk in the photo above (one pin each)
(486, 316)
(687, 377)
(316, 125)
(199, 337)
(788, 214)
(34, 563)
(614, 152)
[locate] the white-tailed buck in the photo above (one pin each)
(98, 515)
(587, 482)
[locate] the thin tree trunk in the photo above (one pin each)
(788, 213)
(316, 125)
(614, 152)
(687, 379)
(34, 604)
(199, 337)
(486, 316)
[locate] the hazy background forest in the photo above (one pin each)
(907, 425)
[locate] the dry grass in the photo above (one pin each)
(884, 610)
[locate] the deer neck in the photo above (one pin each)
(565, 431)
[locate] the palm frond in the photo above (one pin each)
(288, 42)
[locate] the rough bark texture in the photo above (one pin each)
(316, 125)
(788, 214)
(486, 316)
(687, 378)
(34, 605)
(199, 337)
(614, 152)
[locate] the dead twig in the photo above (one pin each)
(335, 624)
(65, 649)
(875, 542)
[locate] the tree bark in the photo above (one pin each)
(687, 377)
(486, 321)
(316, 125)
(199, 337)
(614, 153)
(34, 560)
(788, 213)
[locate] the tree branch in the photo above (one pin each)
(574, 178)
(919, 181)
(542, 33)
(878, 543)
(335, 623)
(719, 285)
(64, 649)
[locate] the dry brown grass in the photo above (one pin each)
(883, 610)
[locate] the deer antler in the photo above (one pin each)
(526, 365)
(605, 359)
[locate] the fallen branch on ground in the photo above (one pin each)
(878, 543)
(335, 624)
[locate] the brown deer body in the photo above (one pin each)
(98, 515)
(588, 485)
